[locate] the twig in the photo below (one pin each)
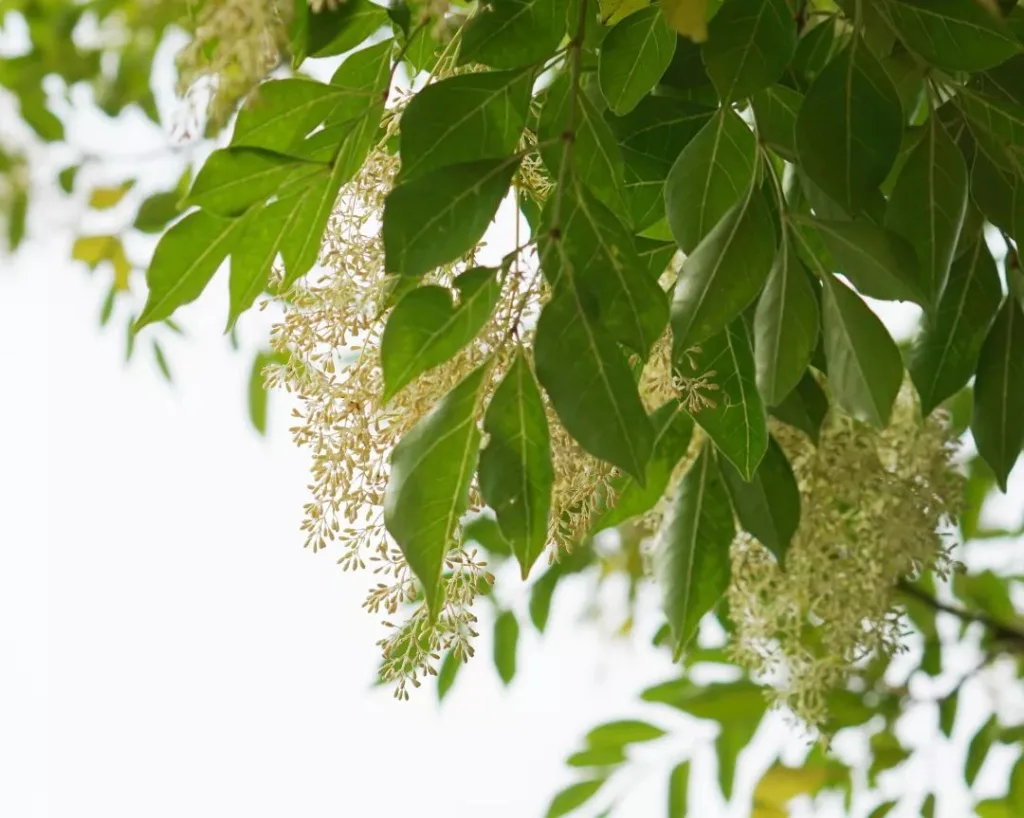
(999, 630)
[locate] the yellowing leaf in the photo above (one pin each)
(612, 11)
(782, 784)
(103, 198)
(688, 17)
(122, 268)
(92, 249)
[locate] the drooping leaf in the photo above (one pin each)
(692, 556)
(622, 733)
(678, 789)
(513, 33)
(340, 27)
(712, 175)
(849, 128)
(447, 674)
(952, 34)
(258, 390)
(945, 353)
(732, 738)
(590, 385)
(750, 43)
(786, 326)
(998, 420)
(515, 471)
(426, 328)
(506, 640)
(184, 262)
(431, 469)
(928, 206)
(768, 506)
(735, 416)
(441, 215)
(232, 179)
(977, 750)
(864, 365)
(573, 797)
(634, 55)
(464, 119)
(804, 408)
(775, 110)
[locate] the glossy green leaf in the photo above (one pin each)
(440, 216)
(515, 471)
(283, 113)
(340, 27)
(735, 418)
(804, 408)
(768, 507)
(573, 797)
(184, 262)
(590, 385)
(234, 178)
(850, 126)
(506, 640)
(775, 110)
(426, 328)
(978, 749)
(673, 430)
(431, 469)
(712, 175)
(464, 119)
(953, 34)
(786, 326)
(945, 352)
(634, 55)
(678, 789)
(928, 206)
(513, 33)
(750, 43)
(622, 733)
(998, 420)
(864, 365)
(691, 561)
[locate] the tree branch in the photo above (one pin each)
(1000, 631)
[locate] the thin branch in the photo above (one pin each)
(1000, 631)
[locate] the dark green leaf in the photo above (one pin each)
(485, 532)
(515, 471)
(234, 178)
(864, 365)
(441, 215)
(736, 421)
(849, 129)
(446, 676)
(678, 787)
(786, 326)
(621, 733)
(945, 353)
(776, 110)
(464, 119)
(692, 557)
(426, 328)
(590, 385)
(818, 45)
(634, 55)
(506, 639)
(928, 206)
(431, 469)
(156, 211)
(573, 796)
(947, 712)
(804, 408)
(769, 505)
(712, 175)
(978, 749)
(340, 27)
(513, 33)
(750, 43)
(953, 34)
(1000, 120)
(998, 420)
(184, 262)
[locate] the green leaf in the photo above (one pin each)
(724, 274)
(66, 178)
(594, 154)
(768, 507)
(161, 362)
(978, 749)
(750, 43)
(426, 328)
(864, 365)
(485, 532)
(156, 211)
(447, 674)
(592, 246)
(232, 179)
(597, 757)
(786, 326)
(850, 126)
(678, 787)
(775, 111)
(673, 430)
(440, 216)
(431, 469)
(692, 556)
(634, 55)
(953, 34)
(928, 206)
(184, 262)
(573, 797)
(340, 27)
(718, 701)
(880, 263)
(998, 420)
(590, 385)
(540, 597)
(732, 738)
(1000, 120)
(258, 391)
(506, 638)
(947, 712)
(515, 471)
(945, 352)
(464, 119)
(104, 198)
(513, 33)
(737, 422)
(804, 408)
(283, 113)
(651, 136)
(622, 733)
(712, 175)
